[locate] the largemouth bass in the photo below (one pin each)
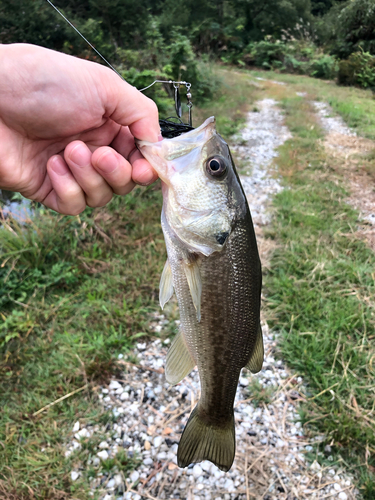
(213, 266)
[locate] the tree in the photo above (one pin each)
(349, 27)
(32, 21)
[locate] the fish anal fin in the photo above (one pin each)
(202, 441)
(179, 361)
(193, 276)
(166, 285)
(255, 362)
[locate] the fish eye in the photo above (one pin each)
(216, 166)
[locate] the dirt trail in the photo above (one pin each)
(149, 415)
(343, 143)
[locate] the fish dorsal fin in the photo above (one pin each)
(166, 285)
(255, 362)
(179, 361)
(193, 276)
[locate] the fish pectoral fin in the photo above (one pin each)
(194, 280)
(203, 441)
(166, 285)
(179, 361)
(255, 362)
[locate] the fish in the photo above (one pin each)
(214, 268)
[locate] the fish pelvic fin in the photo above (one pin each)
(166, 285)
(203, 441)
(194, 280)
(179, 360)
(255, 362)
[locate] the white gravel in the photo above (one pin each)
(330, 121)
(343, 142)
(271, 81)
(257, 147)
(149, 415)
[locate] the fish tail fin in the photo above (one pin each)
(203, 441)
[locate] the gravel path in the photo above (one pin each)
(343, 143)
(149, 415)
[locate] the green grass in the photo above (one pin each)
(356, 106)
(320, 293)
(74, 293)
(231, 103)
(77, 291)
(260, 395)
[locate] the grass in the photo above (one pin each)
(319, 294)
(75, 292)
(356, 106)
(258, 393)
(231, 104)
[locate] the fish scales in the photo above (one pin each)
(222, 341)
(214, 267)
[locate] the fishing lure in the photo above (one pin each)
(170, 127)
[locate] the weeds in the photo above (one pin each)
(321, 281)
(260, 394)
(70, 303)
(75, 292)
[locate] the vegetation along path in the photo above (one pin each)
(271, 460)
(85, 409)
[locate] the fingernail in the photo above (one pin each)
(80, 156)
(58, 165)
(160, 137)
(110, 160)
(145, 177)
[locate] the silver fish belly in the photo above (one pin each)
(214, 268)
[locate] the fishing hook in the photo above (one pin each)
(175, 84)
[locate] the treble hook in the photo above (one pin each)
(177, 99)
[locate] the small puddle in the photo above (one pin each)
(14, 205)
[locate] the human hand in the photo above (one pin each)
(67, 129)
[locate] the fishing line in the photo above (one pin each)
(85, 39)
(168, 127)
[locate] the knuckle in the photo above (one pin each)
(73, 210)
(153, 108)
(72, 192)
(100, 201)
(125, 189)
(73, 202)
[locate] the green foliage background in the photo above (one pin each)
(165, 36)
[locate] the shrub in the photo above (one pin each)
(292, 56)
(358, 69)
(266, 54)
(176, 62)
(324, 66)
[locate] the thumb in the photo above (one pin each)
(127, 106)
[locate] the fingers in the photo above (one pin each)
(66, 196)
(142, 171)
(90, 178)
(114, 168)
(78, 158)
